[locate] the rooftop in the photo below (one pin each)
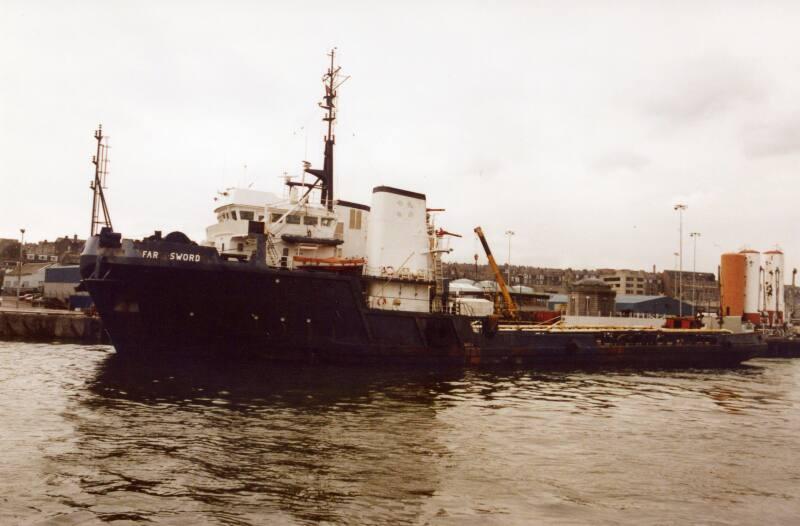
(246, 197)
(633, 298)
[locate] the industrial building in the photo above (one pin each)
(591, 297)
(700, 288)
(60, 284)
(31, 277)
(631, 304)
(632, 281)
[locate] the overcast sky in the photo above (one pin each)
(576, 124)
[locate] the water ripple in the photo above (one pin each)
(88, 436)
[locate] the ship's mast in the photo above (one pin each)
(100, 161)
(331, 81)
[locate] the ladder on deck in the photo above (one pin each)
(438, 276)
(273, 259)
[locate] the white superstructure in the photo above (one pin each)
(399, 251)
(236, 208)
(398, 242)
(394, 243)
(353, 219)
(293, 227)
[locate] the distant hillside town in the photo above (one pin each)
(26, 271)
(699, 288)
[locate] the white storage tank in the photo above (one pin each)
(774, 300)
(398, 251)
(752, 285)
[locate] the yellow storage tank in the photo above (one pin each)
(733, 269)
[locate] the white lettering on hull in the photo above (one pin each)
(173, 256)
(182, 256)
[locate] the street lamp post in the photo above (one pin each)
(509, 233)
(674, 268)
(680, 208)
(794, 293)
(19, 264)
(694, 236)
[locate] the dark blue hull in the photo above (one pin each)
(219, 307)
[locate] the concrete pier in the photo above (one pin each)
(49, 325)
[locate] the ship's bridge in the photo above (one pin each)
(236, 208)
(307, 230)
(294, 227)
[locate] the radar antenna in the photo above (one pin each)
(331, 80)
(100, 161)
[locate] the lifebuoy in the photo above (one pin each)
(388, 270)
(381, 301)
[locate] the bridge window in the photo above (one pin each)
(233, 215)
(274, 218)
(249, 216)
(311, 220)
(293, 219)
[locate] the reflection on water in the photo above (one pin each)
(310, 444)
(92, 435)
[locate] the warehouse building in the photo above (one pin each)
(628, 304)
(591, 297)
(60, 284)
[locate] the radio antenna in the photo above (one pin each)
(100, 161)
(331, 80)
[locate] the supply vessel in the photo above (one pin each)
(308, 277)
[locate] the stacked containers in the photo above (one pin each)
(773, 278)
(733, 269)
(752, 288)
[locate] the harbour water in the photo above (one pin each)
(88, 437)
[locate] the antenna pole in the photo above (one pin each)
(331, 83)
(100, 161)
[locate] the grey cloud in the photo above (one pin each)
(776, 138)
(706, 88)
(486, 168)
(628, 161)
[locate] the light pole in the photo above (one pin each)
(680, 208)
(509, 233)
(694, 236)
(674, 283)
(19, 265)
(794, 293)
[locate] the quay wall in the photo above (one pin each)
(50, 325)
